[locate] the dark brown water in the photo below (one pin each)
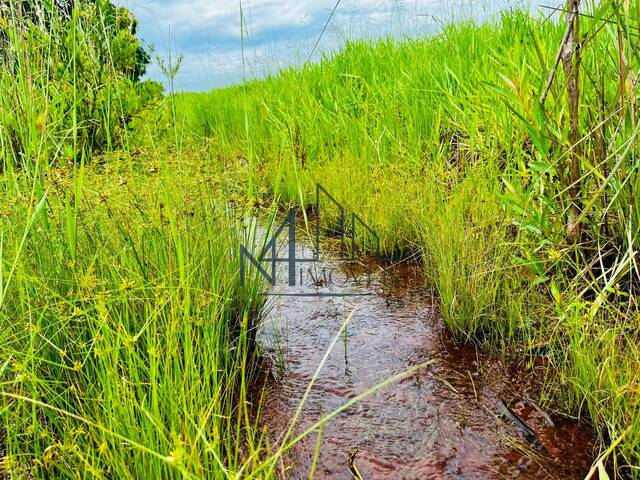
(442, 422)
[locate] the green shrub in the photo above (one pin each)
(70, 73)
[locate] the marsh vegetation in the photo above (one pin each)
(502, 155)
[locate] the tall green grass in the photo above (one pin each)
(414, 137)
(441, 145)
(70, 80)
(126, 337)
(126, 341)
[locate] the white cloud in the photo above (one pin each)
(279, 32)
(260, 15)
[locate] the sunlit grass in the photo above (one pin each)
(127, 339)
(441, 145)
(134, 358)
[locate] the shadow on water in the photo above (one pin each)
(456, 418)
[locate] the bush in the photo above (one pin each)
(71, 76)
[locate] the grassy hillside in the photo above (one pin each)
(443, 146)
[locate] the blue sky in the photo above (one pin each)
(279, 33)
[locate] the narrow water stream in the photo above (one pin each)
(442, 422)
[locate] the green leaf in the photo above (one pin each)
(555, 291)
(542, 167)
(602, 472)
(540, 280)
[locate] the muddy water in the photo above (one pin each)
(441, 422)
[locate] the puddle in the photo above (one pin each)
(441, 422)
